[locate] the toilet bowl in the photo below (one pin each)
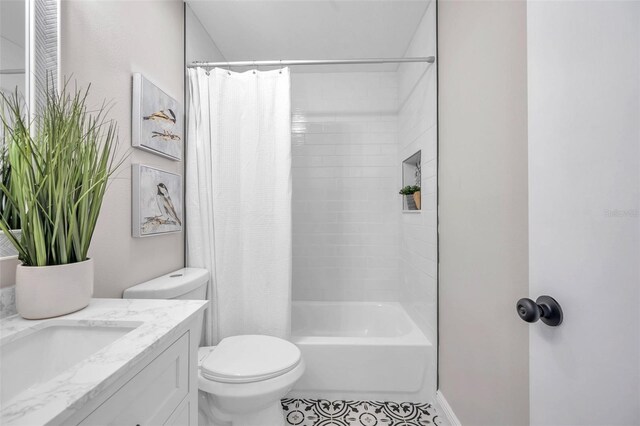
(243, 378)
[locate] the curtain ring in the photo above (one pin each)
(280, 72)
(229, 68)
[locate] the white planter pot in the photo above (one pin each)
(6, 248)
(51, 291)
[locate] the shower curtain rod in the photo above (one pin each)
(195, 64)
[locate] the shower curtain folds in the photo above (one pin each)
(238, 196)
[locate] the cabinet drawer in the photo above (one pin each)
(150, 396)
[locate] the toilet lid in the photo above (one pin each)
(251, 358)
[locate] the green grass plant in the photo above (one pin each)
(60, 162)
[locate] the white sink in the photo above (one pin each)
(40, 353)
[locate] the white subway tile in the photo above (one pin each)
(347, 228)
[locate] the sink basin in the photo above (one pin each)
(40, 353)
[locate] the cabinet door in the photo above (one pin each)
(182, 415)
(152, 395)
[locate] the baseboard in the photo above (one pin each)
(447, 411)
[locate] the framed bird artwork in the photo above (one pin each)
(157, 123)
(157, 201)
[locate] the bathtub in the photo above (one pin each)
(363, 351)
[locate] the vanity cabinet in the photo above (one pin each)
(153, 395)
(116, 362)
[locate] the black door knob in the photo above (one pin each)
(545, 308)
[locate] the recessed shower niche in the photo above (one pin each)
(411, 183)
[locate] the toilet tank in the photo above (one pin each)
(186, 283)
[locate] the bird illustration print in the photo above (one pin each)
(165, 135)
(166, 115)
(166, 205)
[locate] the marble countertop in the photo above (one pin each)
(161, 321)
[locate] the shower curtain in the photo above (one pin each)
(238, 198)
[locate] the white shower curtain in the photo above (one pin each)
(238, 195)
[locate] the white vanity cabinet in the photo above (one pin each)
(117, 362)
(153, 395)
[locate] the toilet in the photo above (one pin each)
(243, 378)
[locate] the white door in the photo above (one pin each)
(584, 220)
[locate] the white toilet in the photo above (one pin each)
(241, 380)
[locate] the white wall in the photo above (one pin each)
(345, 186)
(484, 348)
(417, 119)
(584, 188)
(103, 43)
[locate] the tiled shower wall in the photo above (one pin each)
(417, 119)
(345, 186)
(351, 132)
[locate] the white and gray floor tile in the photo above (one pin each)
(319, 412)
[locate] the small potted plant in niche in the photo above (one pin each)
(60, 163)
(412, 195)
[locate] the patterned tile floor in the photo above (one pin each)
(319, 412)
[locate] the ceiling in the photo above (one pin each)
(330, 29)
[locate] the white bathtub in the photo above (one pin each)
(361, 350)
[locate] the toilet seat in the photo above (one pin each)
(249, 359)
